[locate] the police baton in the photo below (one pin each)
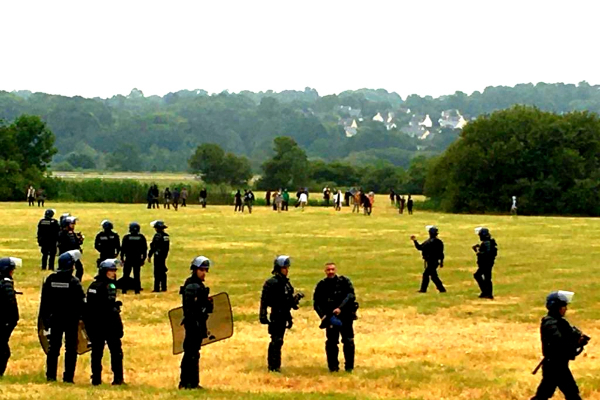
(538, 366)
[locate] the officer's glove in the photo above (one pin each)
(289, 324)
(263, 318)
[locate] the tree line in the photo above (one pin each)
(135, 132)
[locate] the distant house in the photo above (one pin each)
(350, 126)
(452, 119)
(378, 117)
(418, 127)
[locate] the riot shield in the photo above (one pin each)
(83, 342)
(219, 323)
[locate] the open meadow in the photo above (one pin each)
(409, 345)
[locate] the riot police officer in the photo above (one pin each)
(8, 304)
(61, 309)
(47, 237)
(159, 248)
(196, 307)
(107, 242)
(103, 322)
(433, 256)
(486, 251)
(133, 255)
(335, 303)
(278, 294)
(68, 240)
(561, 343)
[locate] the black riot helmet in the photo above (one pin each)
(484, 234)
(282, 261)
(106, 225)
(134, 228)
(67, 260)
(200, 262)
(8, 264)
(158, 225)
(433, 231)
(111, 264)
(49, 213)
(556, 300)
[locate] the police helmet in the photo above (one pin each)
(200, 262)
(63, 220)
(158, 224)
(111, 264)
(7, 264)
(432, 229)
(282, 262)
(558, 299)
(484, 233)
(67, 260)
(134, 228)
(49, 213)
(106, 225)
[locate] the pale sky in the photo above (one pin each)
(104, 48)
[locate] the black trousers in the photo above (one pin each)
(48, 256)
(557, 374)
(190, 363)
(5, 332)
(277, 331)
(69, 329)
(238, 207)
(116, 356)
(136, 267)
(31, 201)
(483, 276)
(285, 206)
(183, 202)
(346, 331)
(160, 274)
(431, 272)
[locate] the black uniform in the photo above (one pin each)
(559, 345)
(159, 249)
(108, 244)
(133, 254)
(433, 255)
(9, 316)
(61, 310)
(67, 241)
(486, 255)
(196, 307)
(47, 237)
(203, 196)
(104, 327)
(409, 205)
(278, 294)
(332, 293)
(238, 201)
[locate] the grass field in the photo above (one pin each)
(409, 345)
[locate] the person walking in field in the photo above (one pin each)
(184, 196)
(356, 201)
(238, 201)
(278, 201)
(433, 256)
(268, 198)
(402, 204)
(155, 196)
(31, 196)
(47, 238)
(513, 207)
(409, 205)
(486, 252)
(176, 196)
(167, 196)
(133, 256)
(41, 197)
(203, 197)
(392, 196)
(286, 200)
(337, 200)
(303, 200)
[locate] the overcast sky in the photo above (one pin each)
(103, 48)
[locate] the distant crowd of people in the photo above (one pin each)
(34, 195)
(175, 197)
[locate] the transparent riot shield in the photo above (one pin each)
(219, 323)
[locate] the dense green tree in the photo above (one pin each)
(26, 149)
(545, 159)
(216, 166)
(289, 167)
(83, 161)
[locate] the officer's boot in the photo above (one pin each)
(70, 364)
(332, 352)
(274, 355)
(348, 354)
